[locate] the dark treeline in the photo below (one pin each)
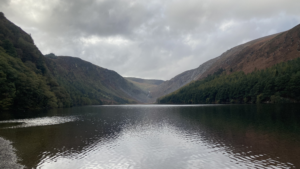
(277, 84)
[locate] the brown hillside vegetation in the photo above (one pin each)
(259, 54)
(256, 54)
(180, 80)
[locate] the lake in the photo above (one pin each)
(155, 137)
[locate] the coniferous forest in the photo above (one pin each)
(277, 84)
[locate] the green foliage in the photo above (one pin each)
(21, 87)
(24, 78)
(19, 44)
(9, 48)
(280, 83)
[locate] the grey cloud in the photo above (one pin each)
(4, 2)
(149, 39)
(209, 14)
(104, 18)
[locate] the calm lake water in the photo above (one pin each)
(156, 137)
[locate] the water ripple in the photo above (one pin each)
(44, 121)
(146, 137)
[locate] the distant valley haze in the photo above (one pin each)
(148, 39)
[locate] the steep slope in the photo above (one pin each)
(259, 54)
(253, 85)
(277, 84)
(144, 84)
(178, 81)
(79, 77)
(200, 72)
(254, 55)
(25, 82)
(30, 80)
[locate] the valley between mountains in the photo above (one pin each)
(31, 80)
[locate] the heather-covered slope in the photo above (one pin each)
(254, 55)
(260, 53)
(210, 66)
(263, 70)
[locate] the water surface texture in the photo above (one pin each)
(156, 136)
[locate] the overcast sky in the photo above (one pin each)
(148, 39)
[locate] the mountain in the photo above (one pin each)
(29, 80)
(80, 77)
(24, 77)
(260, 53)
(180, 80)
(279, 83)
(254, 55)
(144, 84)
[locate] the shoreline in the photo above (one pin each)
(8, 157)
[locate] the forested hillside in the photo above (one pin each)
(30, 80)
(25, 81)
(257, 54)
(277, 84)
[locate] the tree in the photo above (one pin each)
(9, 48)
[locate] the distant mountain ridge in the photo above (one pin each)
(144, 84)
(147, 81)
(76, 74)
(180, 80)
(30, 80)
(254, 55)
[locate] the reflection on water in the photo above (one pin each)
(157, 136)
(44, 121)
